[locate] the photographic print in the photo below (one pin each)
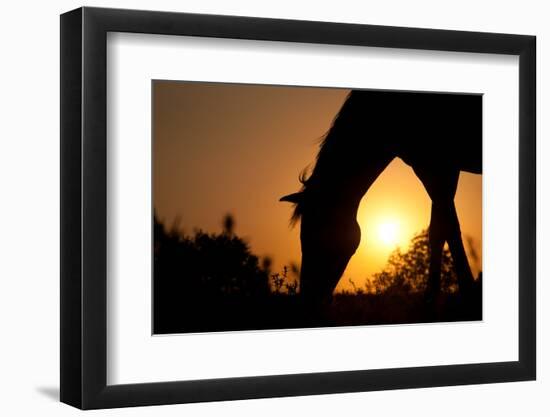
(280, 207)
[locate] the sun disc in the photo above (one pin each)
(388, 232)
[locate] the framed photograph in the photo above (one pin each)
(257, 208)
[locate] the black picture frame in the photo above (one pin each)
(84, 207)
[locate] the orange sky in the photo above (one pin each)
(230, 148)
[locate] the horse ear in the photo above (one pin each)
(292, 198)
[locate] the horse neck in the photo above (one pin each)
(346, 179)
(349, 160)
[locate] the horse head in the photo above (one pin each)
(329, 236)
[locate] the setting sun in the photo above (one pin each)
(388, 232)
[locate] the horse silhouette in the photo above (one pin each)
(437, 134)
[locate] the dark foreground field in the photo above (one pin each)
(284, 312)
(213, 282)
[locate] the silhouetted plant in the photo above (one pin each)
(407, 272)
(295, 269)
(266, 264)
(292, 287)
(282, 280)
(357, 290)
(278, 282)
(206, 264)
(228, 224)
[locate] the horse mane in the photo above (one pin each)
(299, 206)
(326, 142)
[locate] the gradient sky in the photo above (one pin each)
(233, 148)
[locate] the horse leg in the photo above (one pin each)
(456, 246)
(440, 185)
(436, 241)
